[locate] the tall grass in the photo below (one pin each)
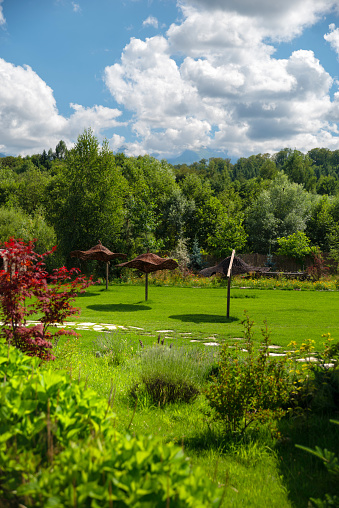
(190, 279)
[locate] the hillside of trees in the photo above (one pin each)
(74, 198)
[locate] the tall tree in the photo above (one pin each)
(281, 210)
(88, 196)
(60, 150)
(219, 232)
(322, 225)
(298, 168)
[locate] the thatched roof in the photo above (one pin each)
(98, 252)
(150, 263)
(239, 266)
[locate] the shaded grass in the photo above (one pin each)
(292, 315)
(304, 475)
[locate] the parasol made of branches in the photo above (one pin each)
(239, 266)
(148, 263)
(99, 253)
(232, 265)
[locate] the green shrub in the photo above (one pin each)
(170, 374)
(315, 384)
(58, 447)
(249, 388)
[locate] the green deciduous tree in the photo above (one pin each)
(296, 246)
(219, 232)
(298, 168)
(281, 210)
(322, 225)
(16, 223)
(327, 185)
(87, 197)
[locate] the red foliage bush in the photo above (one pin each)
(27, 289)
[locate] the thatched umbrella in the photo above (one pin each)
(238, 266)
(148, 263)
(100, 253)
(227, 267)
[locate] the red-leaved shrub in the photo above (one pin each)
(26, 289)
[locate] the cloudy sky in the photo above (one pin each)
(163, 76)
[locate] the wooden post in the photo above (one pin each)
(146, 288)
(228, 296)
(107, 263)
(229, 276)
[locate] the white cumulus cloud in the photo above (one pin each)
(227, 91)
(333, 37)
(276, 19)
(29, 118)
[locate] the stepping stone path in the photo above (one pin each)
(98, 327)
(106, 327)
(308, 359)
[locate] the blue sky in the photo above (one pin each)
(161, 76)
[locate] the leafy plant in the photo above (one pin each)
(314, 377)
(27, 289)
(248, 389)
(59, 447)
(296, 246)
(331, 462)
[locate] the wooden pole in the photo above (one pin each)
(228, 296)
(107, 263)
(146, 288)
(229, 276)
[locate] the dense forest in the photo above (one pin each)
(73, 198)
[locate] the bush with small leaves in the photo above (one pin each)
(248, 389)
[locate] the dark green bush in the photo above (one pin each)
(58, 447)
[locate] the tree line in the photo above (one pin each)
(74, 198)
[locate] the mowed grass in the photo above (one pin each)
(262, 469)
(201, 312)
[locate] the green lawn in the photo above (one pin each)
(291, 315)
(262, 470)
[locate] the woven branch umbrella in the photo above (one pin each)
(148, 263)
(227, 267)
(238, 266)
(100, 253)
